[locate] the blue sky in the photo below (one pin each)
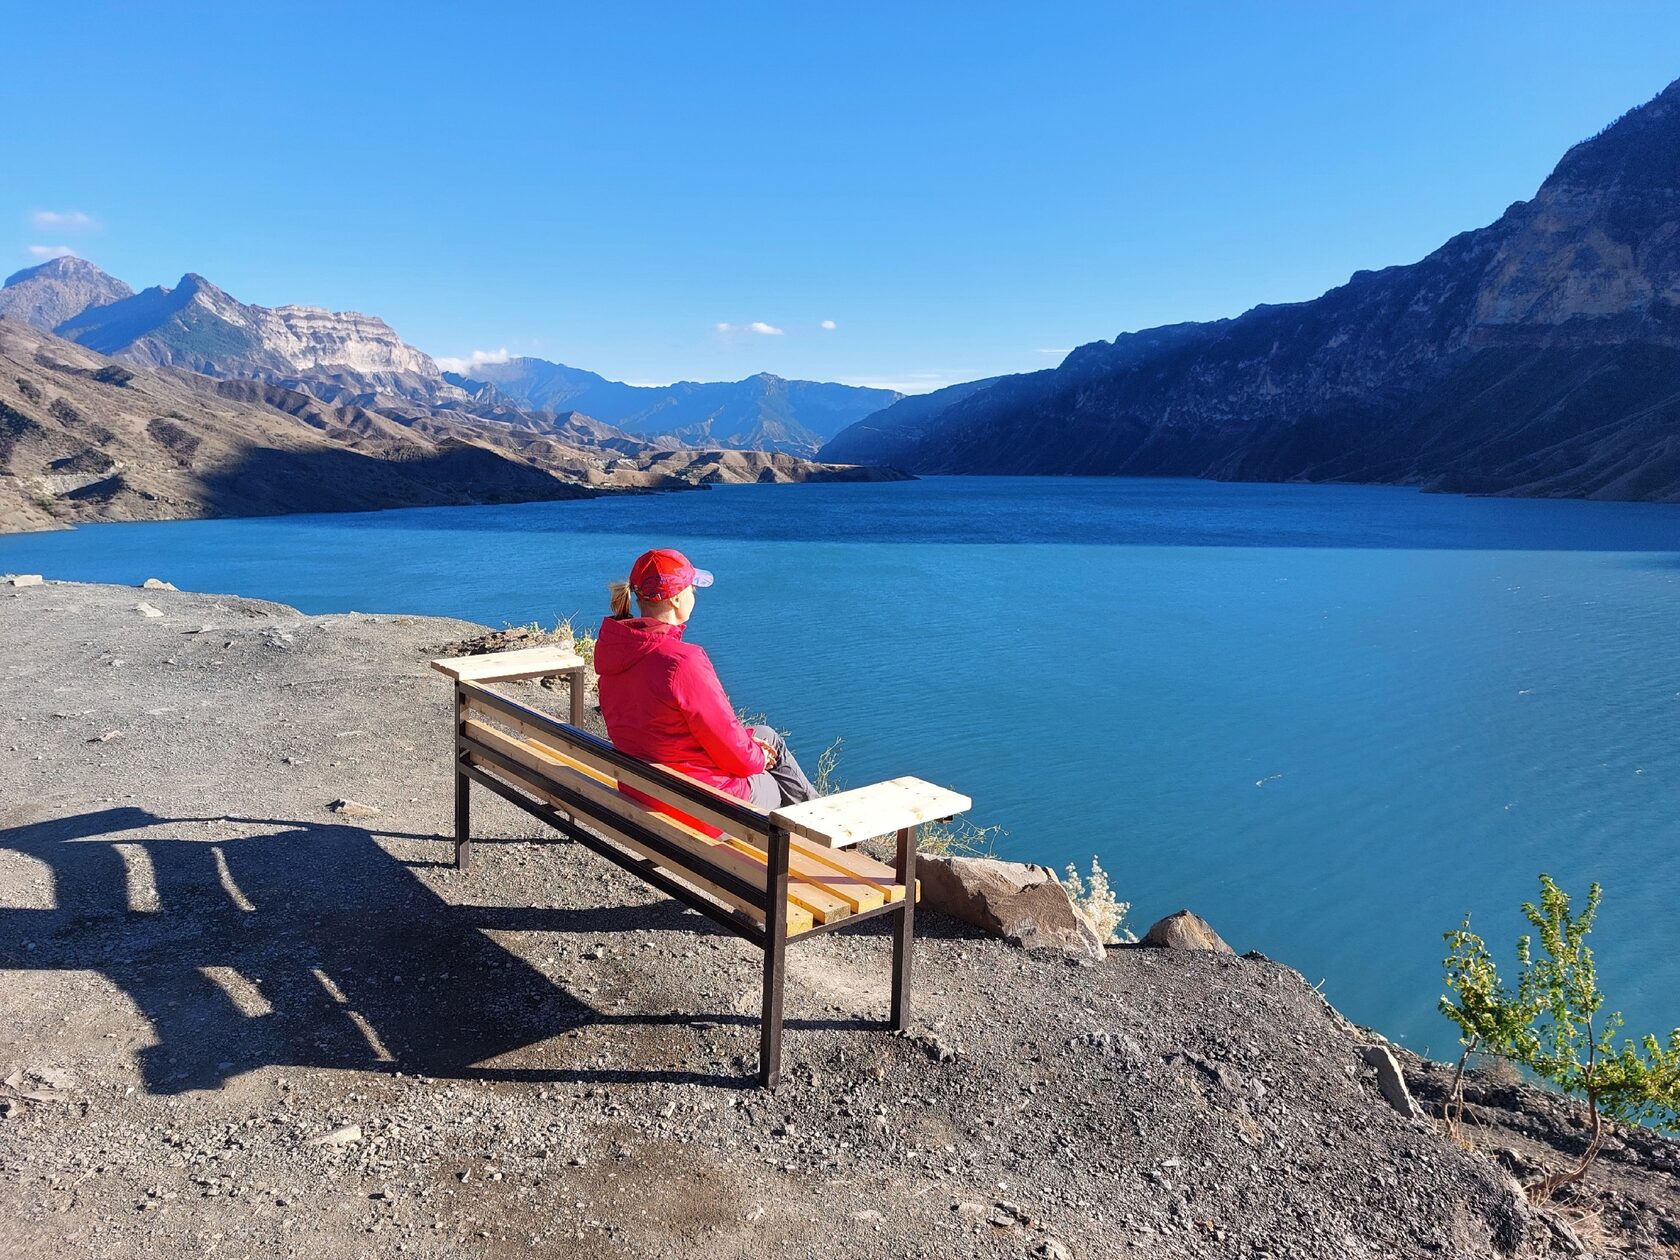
(960, 190)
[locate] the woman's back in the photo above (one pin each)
(662, 701)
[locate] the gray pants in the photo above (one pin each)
(783, 784)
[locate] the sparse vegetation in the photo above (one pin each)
(958, 838)
(1552, 1026)
(1097, 905)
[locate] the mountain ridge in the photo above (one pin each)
(347, 357)
(1539, 354)
(761, 411)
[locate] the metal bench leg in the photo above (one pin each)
(463, 821)
(463, 785)
(775, 960)
(904, 929)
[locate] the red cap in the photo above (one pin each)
(663, 574)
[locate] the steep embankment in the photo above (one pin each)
(237, 1014)
(1538, 355)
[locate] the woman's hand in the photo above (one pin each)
(769, 752)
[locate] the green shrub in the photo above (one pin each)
(1552, 1025)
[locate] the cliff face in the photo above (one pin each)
(336, 356)
(1538, 355)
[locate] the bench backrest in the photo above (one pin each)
(700, 800)
(577, 774)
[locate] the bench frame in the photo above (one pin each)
(749, 824)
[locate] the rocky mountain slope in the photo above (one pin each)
(1538, 355)
(763, 412)
(58, 290)
(337, 356)
(343, 358)
(86, 438)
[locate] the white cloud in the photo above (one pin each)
(51, 251)
(757, 326)
(828, 325)
(65, 220)
(913, 382)
(1063, 350)
(478, 358)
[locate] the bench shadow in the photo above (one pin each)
(311, 946)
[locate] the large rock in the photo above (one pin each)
(1185, 931)
(1022, 903)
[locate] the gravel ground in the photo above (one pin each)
(235, 1023)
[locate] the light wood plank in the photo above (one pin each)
(823, 903)
(877, 810)
(531, 662)
(854, 895)
(859, 865)
(603, 793)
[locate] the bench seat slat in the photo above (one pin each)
(850, 893)
(860, 866)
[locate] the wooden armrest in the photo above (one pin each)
(877, 810)
(532, 662)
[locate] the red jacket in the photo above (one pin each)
(662, 701)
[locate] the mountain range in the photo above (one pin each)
(347, 358)
(1539, 355)
(763, 412)
(84, 437)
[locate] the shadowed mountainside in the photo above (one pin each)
(1537, 356)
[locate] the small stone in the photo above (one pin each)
(1391, 1081)
(353, 809)
(106, 738)
(1185, 930)
(146, 610)
(348, 1135)
(25, 579)
(157, 584)
(1052, 1249)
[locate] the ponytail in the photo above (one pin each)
(619, 593)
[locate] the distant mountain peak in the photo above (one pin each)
(49, 293)
(65, 266)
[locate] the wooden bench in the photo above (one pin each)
(772, 877)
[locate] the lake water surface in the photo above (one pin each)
(1330, 719)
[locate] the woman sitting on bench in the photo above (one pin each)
(662, 701)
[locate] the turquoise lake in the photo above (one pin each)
(1332, 720)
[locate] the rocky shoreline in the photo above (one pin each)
(236, 1022)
